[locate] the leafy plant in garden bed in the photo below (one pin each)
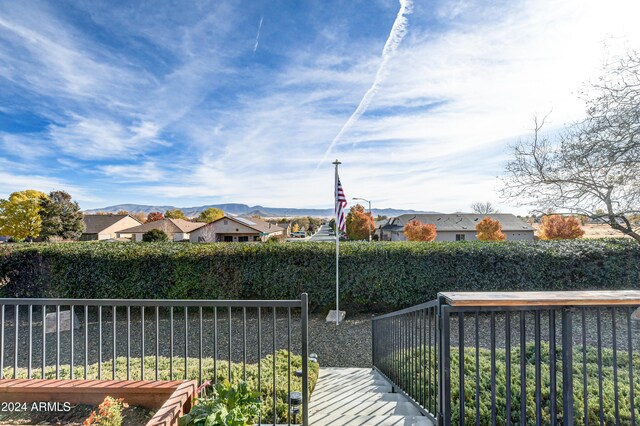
(109, 413)
(221, 368)
(227, 406)
(419, 357)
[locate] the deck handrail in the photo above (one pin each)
(543, 298)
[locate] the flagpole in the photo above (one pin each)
(337, 227)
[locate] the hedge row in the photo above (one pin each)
(375, 277)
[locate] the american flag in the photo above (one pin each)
(341, 203)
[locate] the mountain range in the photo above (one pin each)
(235, 209)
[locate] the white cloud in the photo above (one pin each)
(457, 92)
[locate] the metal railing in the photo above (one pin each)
(405, 352)
(517, 361)
(156, 340)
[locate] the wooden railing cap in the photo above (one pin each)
(543, 298)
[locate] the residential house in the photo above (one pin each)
(237, 229)
(106, 226)
(176, 229)
(455, 226)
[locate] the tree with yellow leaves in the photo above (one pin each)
(418, 231)
(490, 230)
(558, 227)
(20, 214)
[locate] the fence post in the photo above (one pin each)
(444, 364)
(373, 343)
(567, 366)
(304, 316)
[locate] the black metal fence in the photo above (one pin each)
(576, 363)
(157, 340)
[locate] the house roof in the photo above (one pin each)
(170, 226)
(96, 223)
(254, 223)
(459, 221)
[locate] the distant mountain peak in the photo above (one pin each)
(237, 209)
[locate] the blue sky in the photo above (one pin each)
(191, 103)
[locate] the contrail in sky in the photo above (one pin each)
(396, 35)
(255, 46)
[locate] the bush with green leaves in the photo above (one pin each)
(420, 356)
(227, 406)
(155, 235)
(216, 372)
(373, 277)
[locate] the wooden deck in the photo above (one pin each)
(544, 298)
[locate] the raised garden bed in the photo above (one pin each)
(170, 399)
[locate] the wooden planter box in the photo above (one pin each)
(171, 399)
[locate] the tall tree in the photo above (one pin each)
(490, 230)
(122, 212)
(140, 217)
(484, 207)
(20, 214)
(61, 217)
(209, 215)
(415, 230)
(558, 227)
(592, 169)
(175, 214)
(359, 223)
(154, 216)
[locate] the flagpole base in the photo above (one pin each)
(332, 316)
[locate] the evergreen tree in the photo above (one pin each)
(61, 217)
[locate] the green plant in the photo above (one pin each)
(109, 413)
(228, 406)
(615, 380)
(215, 372)
(155, 235)
(376, 277)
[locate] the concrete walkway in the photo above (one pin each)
(359, 396)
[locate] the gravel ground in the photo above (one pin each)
(348, 345)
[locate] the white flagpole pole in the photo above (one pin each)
(337, 249)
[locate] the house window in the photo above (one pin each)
(459, 237)
(228, 239)
(256, 238)
(243, 239)
(226, 221)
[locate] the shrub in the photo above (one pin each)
(109, 413)
(373, 277)
(155, 235)
(217, 373)
(228, 406)
(420, 357)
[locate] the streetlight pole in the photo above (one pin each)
(370, 214)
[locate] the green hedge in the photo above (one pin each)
(374, 277)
